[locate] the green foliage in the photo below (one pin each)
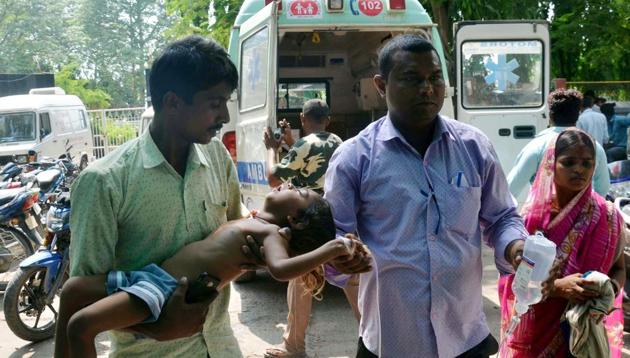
(68, 79)
(33, 35)
(119, 38)
(590, 39)
(119, 133)
(116, 132)
(199, 17)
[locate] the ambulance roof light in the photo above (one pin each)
(267, 2)
(397, 5)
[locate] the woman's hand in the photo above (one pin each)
(572, 288)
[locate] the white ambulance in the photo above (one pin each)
(290, 51)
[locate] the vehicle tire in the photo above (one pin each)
(24, 299)
(14, 247)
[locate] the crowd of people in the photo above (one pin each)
(396, 216)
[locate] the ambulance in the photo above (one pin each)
(290, 51)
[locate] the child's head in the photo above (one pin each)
(312, 227)
(310, 218)
(575, 160)
(306, 213)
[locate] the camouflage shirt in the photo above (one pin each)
(307, 161)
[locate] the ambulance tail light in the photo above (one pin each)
(397, 5)
(229, 140)
(334, 5)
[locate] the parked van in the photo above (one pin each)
(45, 121)
(290, 51)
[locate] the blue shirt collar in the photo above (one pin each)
(388, 131)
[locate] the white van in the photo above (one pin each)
(45, 121)
(290, 51)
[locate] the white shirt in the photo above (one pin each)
(594, 124)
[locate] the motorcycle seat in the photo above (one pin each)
(46, 178)
(6, 195)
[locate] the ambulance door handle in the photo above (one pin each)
(524, 132)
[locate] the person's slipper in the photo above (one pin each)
(281, 352)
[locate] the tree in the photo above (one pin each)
(590, 39)
(69, 79)
(32, 35)
(204, 17)
(119, 39)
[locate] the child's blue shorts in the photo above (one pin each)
(151, 284)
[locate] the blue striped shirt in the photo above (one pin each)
(423, 219)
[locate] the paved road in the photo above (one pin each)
(258, 312)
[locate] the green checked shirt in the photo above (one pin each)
(306, 163)
(132, 208)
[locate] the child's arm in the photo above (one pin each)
(283, 268)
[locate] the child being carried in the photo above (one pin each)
(94, 304)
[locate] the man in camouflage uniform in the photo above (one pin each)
(304, 166)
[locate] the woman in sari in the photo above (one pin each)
(588, 233)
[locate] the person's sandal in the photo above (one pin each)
(281, 352)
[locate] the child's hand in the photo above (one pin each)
(359, 262)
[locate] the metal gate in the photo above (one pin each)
(113, 127)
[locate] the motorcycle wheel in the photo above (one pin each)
(25, 306)
(16, 246)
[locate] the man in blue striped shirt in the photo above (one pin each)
(421, 190)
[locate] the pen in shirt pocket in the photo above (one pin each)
(459, 180)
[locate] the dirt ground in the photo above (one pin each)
(258, 313)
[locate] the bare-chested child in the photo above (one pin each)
(93, 304)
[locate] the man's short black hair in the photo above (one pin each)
(564, 107)
(406, 42)
(315, 109)
(188, 66)
(588, 102)
(608, 109)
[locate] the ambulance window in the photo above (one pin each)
(44, 125)
(500, 74)
(293, 95)
(254, 70)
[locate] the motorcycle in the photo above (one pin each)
(31, 298)
(19, 224)
(10, 171)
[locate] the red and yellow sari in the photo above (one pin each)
(587, 233)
